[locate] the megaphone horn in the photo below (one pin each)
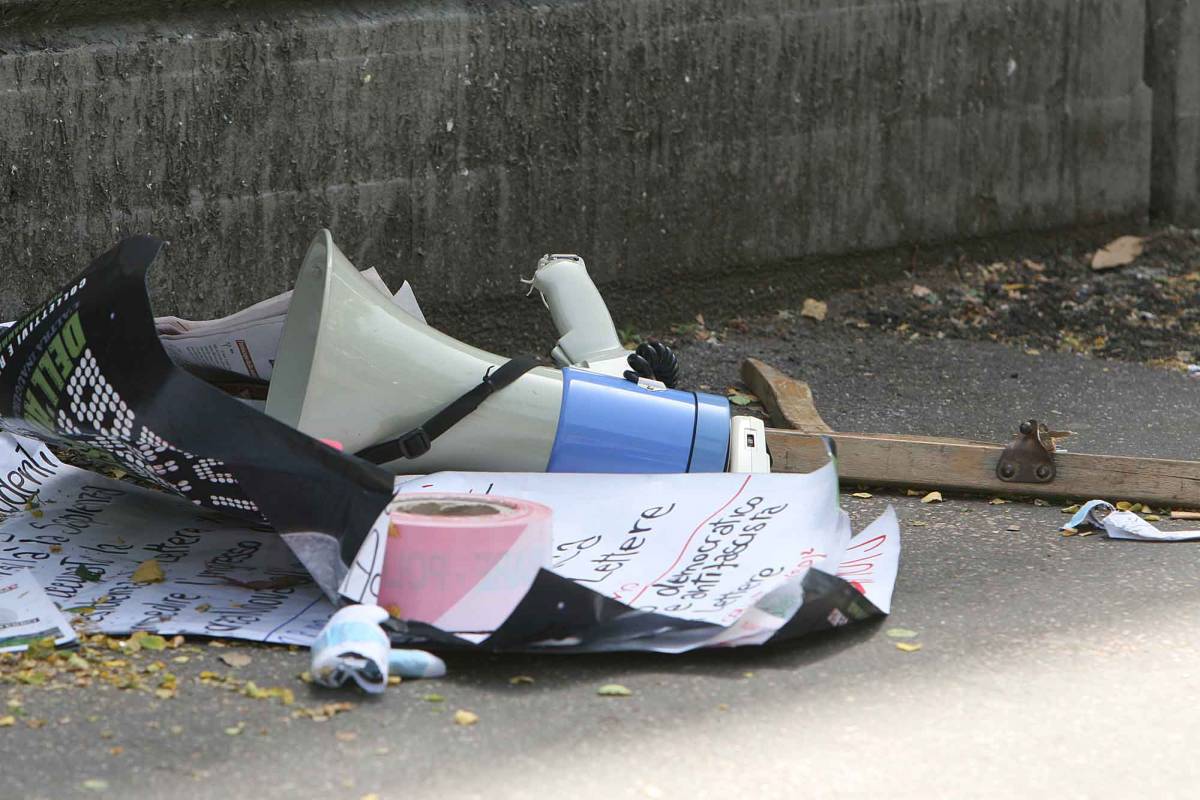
(355, 368)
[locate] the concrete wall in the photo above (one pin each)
(454, 142)
(1173, 71)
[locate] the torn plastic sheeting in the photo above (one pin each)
(86, 371)
(1123, 524)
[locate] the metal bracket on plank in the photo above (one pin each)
(1028, 458)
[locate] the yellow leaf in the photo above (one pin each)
(1124, 505)
(1070, 509)
(932, 497)
(1152, 518)
(998, 501)
(863, 495)
(613, 690)
(908, 647)
(148, 572)
(8, 721)
(152, 641)
(464, 717)
(517, 680)
(1117, 253)
(814, 309)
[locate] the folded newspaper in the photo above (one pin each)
(244, 527)
(243, 346)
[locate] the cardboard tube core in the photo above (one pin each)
(450, 508)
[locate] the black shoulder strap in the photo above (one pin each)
(418, 441)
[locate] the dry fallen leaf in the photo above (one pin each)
(1013, 528)
(921, 291)
(95, 784)
(1117, 253)
(236, 730)
(148, 572)
(814, 309)
(464, 717)
(998, 501)
(517, 680)
(862, 495)
(918, 523)
(908, 647)
(613, 690)
(901, 633)
(932, 497)
(235, 659)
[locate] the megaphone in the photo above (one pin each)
(353, 368)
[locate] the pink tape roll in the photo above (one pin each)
(462, 562)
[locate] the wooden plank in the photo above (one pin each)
(922, 462)
(788, 401)
(936, 462)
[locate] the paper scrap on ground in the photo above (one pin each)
(27, 615)
(731, 550)
(1123, 524)
(82, 536)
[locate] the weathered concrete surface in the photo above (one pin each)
(1173, 72)
(453, 142)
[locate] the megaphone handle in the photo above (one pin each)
(418, 441)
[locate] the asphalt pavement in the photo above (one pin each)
(1048, 665)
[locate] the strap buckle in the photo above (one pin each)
(415, 443)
